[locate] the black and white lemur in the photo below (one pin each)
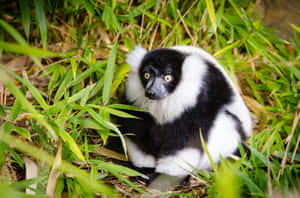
(184, 91)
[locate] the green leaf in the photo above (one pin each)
(36, 94)
(207, 153)
(27, 50)
(89, 7)
(3, 147)
(88, 123)
(110, 19)
(22, 131)
(2, 112)
(120, 76)
(63, 86)
(109, 73)
(25, 13)
(108, 125)
(13, 32)
(18, 37)
(26, 105)
(113, 111)
(115, 170)
(295, 71)
(297, 28)
(211, 13)
(72, 144)
(74, 67)
(41, 18)
(126, 107)
(82, 94)
(16, 109)
(115, 167)
(54, 79)
(227, 48)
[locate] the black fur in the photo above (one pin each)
(165, 139)
(162, 62)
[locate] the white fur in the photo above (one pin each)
(223, 136)
(237, 106)
(135, 57)
(172, 106)
(180, 164)
(138, 157)
(222, 140)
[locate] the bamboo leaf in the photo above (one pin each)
(72, 144)
(74, 67)
(113, 111)
(89, 7)
(125, 107)
(13, 32)
(297, 28)
(120, 76)
(207, 153)
(82, 94)
(25, 103)
(25, 13)
(63, 86)
(22, 131)
(108, 125)
(36, 94)
(109, 73)
(227, 48)
(2, 112)
(211, 13)
(16, 109)
(66, 167)
(41, 18)
(24, 49)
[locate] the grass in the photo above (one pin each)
(62, 73)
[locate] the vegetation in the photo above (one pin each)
(62, 75)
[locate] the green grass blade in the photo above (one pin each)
(2, 112)
(297, 28)
(211, 13)
(16, 109)
(74, 67)
(22, 131)
(120, 76)
(25, 13)
(72, 144)
(25, 49)
(109, 74)
(108, 125)
(89, 7)
(227, 48)
(125, 107)
(207, 153)
(63, 86)
(112, 111)
(13, 32)
(25, 103)
(39, 154)
(18, 37)
(82, 94)
(41, 18)
(36, 94)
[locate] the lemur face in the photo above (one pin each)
(160, 72)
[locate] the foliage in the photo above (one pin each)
(75, 80)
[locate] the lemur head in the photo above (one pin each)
(165, 81)
(160, 72)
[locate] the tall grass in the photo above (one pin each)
(74, 83)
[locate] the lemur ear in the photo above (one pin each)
(135, 57)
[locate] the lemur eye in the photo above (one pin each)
(147, 76)
(168, 78)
